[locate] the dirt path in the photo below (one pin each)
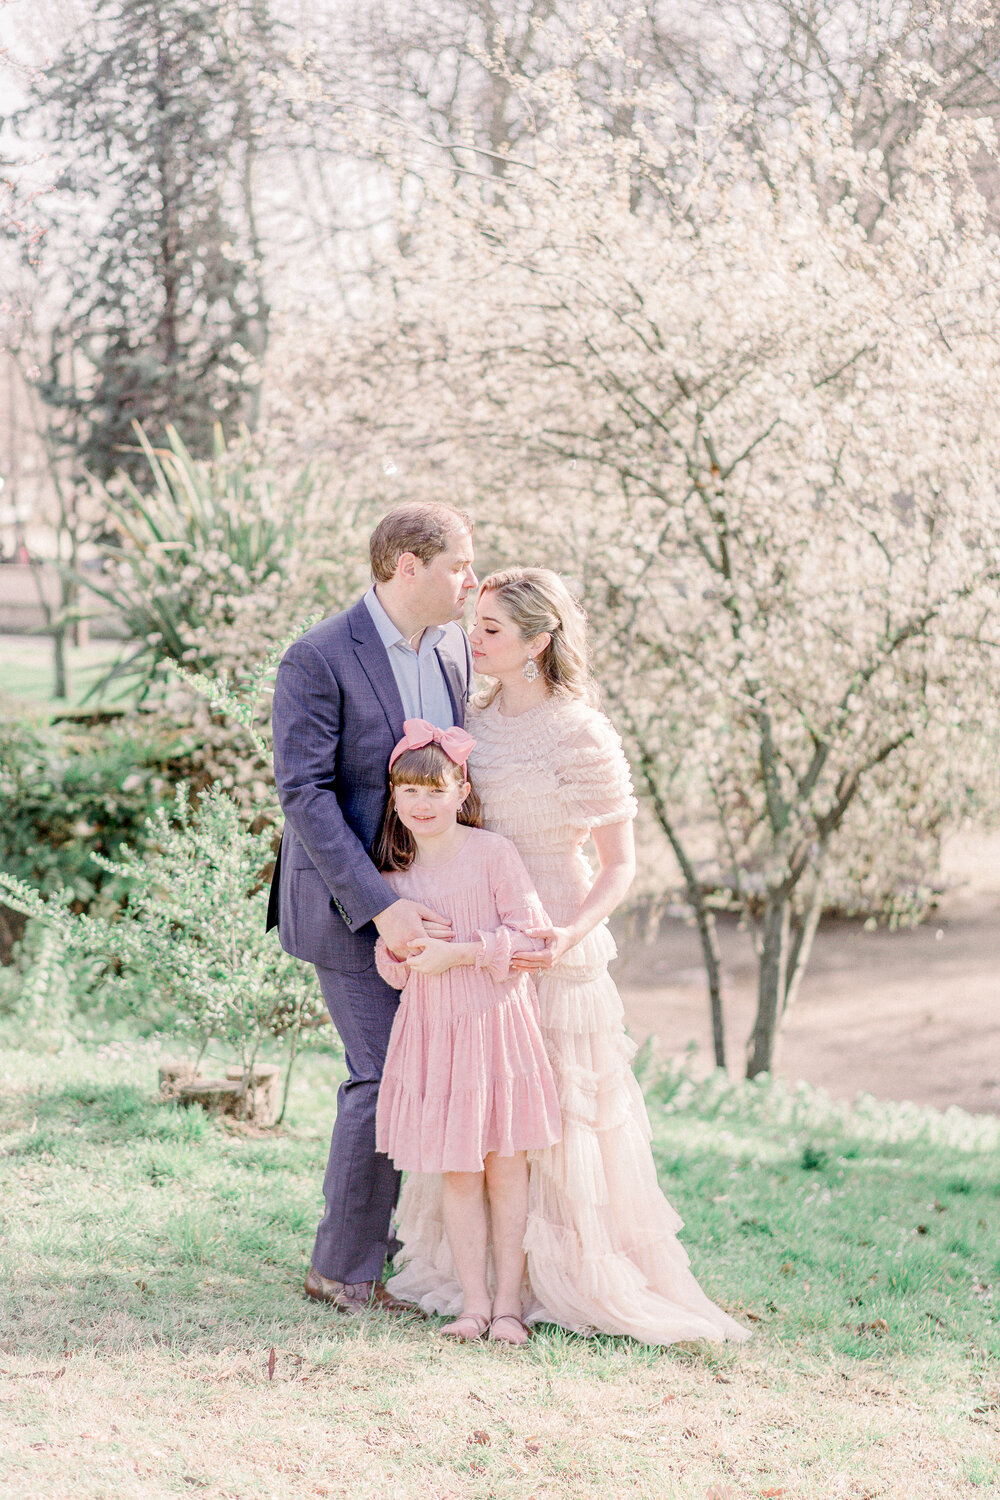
(903, 1015)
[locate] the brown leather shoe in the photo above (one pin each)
(359, 1297)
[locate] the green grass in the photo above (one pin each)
(833, 1222)
(151, 1259)
(27, 676)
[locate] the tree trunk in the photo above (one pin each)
(709, 938)
(60, 682)
(704, 917)
(771, 985)
(296, 1030)
(801, 945)
(68, 626)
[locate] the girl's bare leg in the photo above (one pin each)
(507, 1189)
(464, 1211)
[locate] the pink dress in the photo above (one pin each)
(603, 1252)
(466, 1071)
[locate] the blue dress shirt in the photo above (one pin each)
(418, 674)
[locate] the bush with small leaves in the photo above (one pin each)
(191, 934)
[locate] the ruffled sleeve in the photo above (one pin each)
(594, 776)
(518, 907)
(393, 970)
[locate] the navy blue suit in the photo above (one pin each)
(337, 715)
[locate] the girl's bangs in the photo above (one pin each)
(428, 766)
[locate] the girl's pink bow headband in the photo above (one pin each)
(455, 743)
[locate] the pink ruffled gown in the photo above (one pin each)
(603, 1252)
(466, 1071)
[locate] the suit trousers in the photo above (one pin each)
(361, 1184)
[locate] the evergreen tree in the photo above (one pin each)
(156, 113)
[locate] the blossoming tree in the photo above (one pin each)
(765, 443)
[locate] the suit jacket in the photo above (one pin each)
(337, 715)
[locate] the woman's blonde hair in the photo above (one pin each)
(539, 603)
(429, 766)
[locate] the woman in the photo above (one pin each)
(602, 1248)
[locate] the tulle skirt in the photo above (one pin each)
(602, 1248)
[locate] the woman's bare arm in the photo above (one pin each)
(615, 845)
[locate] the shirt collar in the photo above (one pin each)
(390, 634)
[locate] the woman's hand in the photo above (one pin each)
(616, 855)
(427, 955)
(558, 940)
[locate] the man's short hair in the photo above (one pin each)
(424, 528)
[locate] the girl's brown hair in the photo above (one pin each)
(428, 766)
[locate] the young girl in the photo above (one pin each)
(467, 1088)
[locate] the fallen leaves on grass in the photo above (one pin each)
(878, 1328)
(272, 1360)
(480, 1436)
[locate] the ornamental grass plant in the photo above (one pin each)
(201, 557)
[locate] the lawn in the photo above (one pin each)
(155, 1340)
(26, 673)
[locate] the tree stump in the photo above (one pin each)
(172, 1075)
(225, 1096)
(215, 1095)
(263, 1092)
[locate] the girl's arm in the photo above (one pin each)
(520, 912)
(434, 956)
(524, 924)
(394, 971)
(615, 845)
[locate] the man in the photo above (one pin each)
(342, 692)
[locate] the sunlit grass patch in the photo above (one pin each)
(877, 1244)
(155, 1257)
(27, 674)
(984, 1473)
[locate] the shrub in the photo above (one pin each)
(191, 934)
(68, 791)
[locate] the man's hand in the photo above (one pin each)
(407, 921)
(558, 940)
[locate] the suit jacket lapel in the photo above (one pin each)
(453, 678)
(374, 659)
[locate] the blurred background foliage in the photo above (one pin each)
(202, 253)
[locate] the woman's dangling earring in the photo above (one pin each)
(530, 669)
